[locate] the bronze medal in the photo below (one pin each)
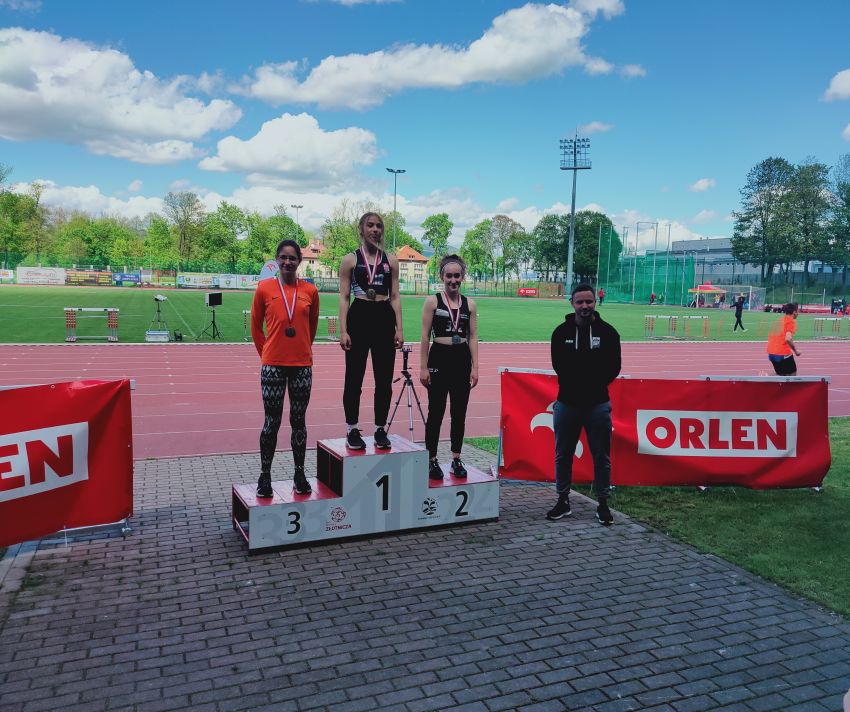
(290, 331)
(370, 293)
(455, 339)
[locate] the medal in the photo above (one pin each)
(455, 317)
(371, 271)
(290, 330)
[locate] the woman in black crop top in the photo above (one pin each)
(452, 362)
(371, 322)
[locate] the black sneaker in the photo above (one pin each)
(435, 472)
(458, 470)
(603, 514)
(300, 484)
(354, 441)
(264, 487)
(382, 442)
(561, 508)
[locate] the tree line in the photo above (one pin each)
(794, 214)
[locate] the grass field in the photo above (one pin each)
(797, 538)
(35, 315)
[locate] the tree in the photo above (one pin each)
(339, 236)
(438, 229)
(503, 229)
(4, 174)
(36, 236)
(160, 242)
(219, 240)
(808, 213)
(15, 211)
(395, 222)
(761, 233)
(72, 239)
(587, 244)
(186, 213)
(519, 253)
(839, 226)
(550, 244)
(474, 249)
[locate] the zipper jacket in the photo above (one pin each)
(586, 359)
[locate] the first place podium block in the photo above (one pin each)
(357, 493)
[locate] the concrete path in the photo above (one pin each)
(518, 614)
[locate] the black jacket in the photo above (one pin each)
(586, 359)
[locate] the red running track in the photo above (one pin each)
(201, 399)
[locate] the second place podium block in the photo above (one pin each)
(364, 492)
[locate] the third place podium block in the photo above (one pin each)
(356, 493)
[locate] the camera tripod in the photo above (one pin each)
(211, 329)
(158, 322)
(408, 388)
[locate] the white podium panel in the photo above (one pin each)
(356, 493)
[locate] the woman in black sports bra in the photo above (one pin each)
(452, 362)
(371, 322)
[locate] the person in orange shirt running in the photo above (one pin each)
(290, 308)
(780, 342)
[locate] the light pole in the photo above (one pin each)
(395, 172)
(608, 269)
(574, 157)
(654, 249)
(667, 265)
(297, 208)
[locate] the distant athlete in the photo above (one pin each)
(739, 311)
(781, 348)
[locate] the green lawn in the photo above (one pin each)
(797, 538)
(35, 315)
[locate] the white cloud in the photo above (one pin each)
(524, 43)
(595, 127)
(73, 91)
(839, 87)
(507, 204)
(702, 185)
(632, 70)
(704, 216)
(22, 5)
(135, 186)
(91, 200)
(846, 133)
(295, 151)
(363, 2)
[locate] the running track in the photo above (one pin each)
(202, 399)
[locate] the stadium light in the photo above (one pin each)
(574, 157)
(395, 172)
(654, 249)
(297, 208)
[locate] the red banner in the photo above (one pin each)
(66, 457)
(761, 434)
(526, 291)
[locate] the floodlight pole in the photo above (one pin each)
(654, 251)
(574, 157)
(395, 172)
(608, 269)
(598, 254)
(667, 265)
(297, 208)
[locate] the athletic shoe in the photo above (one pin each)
(382, 442)
(264, 487)
(458, 470)
(561, 508)
(603, 514)
(300, 484)
(435, 472)
(354, 441)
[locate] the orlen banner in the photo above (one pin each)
(66, 457)
(757, 433)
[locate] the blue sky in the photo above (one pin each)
(113, 104)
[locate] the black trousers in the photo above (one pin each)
(371, 326)
(273, 382)
(738, 322)
(450, 367)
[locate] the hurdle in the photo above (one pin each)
(332, 322)
(246, 315)
(697, 331)
(671, 322)
(111, 314)
(825, 328)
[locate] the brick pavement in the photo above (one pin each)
(518, 614)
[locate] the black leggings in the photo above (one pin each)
(738, 322)
(450, 367)
(273, 381)
(371, 326)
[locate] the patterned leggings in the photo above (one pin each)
(273, 380)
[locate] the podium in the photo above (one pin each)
(357, 493)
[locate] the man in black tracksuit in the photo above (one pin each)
(586, 357)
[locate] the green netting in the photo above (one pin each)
(635, 278)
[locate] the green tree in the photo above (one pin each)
(550, 245)
(16, 210)
(339, 236)
(394, 221)
(72, 239)
(185, 211)
(588, 224)
(761, 234)
(37, 238)
(125, 246)
(474, 250)
(438, 229)
(219, 240)
(160, 243)
(839, 226)
(808, 208)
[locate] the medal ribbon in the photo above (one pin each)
(289, 310)
(455, 316)
(373, 270)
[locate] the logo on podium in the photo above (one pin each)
(429, 506)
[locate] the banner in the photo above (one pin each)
(41, 275)
(201, 280)
(66, 457)
(7, 274)
(757, 433)
(125, 278)
(526, 291)
(89, 277)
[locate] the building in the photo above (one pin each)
(310, 265)
(412, 266)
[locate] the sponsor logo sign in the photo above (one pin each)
(526, 292)
(338, 516)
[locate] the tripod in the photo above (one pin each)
(406, 387)
(158, 322)
(211, 329)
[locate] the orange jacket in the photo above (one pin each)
(274, 346)
(776, 344)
